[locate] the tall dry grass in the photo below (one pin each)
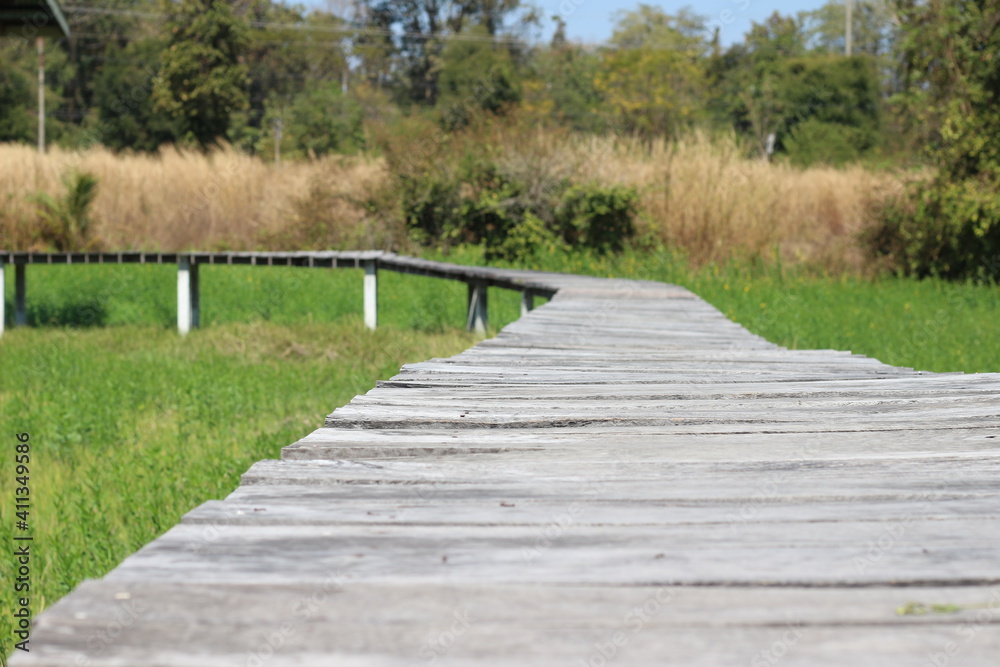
(704, 195)
(178, 199)
(701, 194)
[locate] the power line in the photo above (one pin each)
(79, 9)
(347, 30)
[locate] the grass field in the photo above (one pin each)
(131, 425)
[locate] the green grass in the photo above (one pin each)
(132, 425)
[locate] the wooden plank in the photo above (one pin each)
(960, 552)
(337, 621)
(678, 444)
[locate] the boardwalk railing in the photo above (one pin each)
(188, 280)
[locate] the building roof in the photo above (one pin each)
(32, 18)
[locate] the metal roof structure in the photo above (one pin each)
(32, 18)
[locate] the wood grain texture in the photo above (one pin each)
(622, 476)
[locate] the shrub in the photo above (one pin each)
(323, 120)
(65, 223)
(950, 226)
(479, 187)
(941, 228)
(527, 238)
(817, 142)
(602, 218)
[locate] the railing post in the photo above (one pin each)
(195, 295)
(371, 294)
(20, 295)
(478, 318)
(3, 292)
(527, 302)
(188, 297)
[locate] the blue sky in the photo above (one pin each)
(593, 20)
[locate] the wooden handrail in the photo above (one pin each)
(479, 279)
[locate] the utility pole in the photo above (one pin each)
(849, 29)
(41, 94)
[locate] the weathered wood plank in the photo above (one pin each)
(335, 621)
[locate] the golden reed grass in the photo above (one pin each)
(173, 200)
(700, 194)
(703, 195)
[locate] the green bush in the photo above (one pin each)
(942, 228)
(950, 226)
(15, 114)
(477, 77)
(602, 218)
(474, 188)
(528, 238)
(817, 142)
(324, 120)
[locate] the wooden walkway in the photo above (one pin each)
(622, 477)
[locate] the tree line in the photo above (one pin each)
(136, 74)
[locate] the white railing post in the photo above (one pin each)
(527, 302)
(20, 295)
(478, 318)
(371, 294)
(188, 297)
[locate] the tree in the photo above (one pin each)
(477, 76)
(771, 86)
(324, 120)
(837, 99)
(123, 88)
(96, 40)
(16, 95)
(776, 38)
(202, 80)
(650, 27)
(871, 27)
(289, 52)
(18, 91)
(950, 225)
(426, 26)
(372, 42)
(654, 77)
(561, 86)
